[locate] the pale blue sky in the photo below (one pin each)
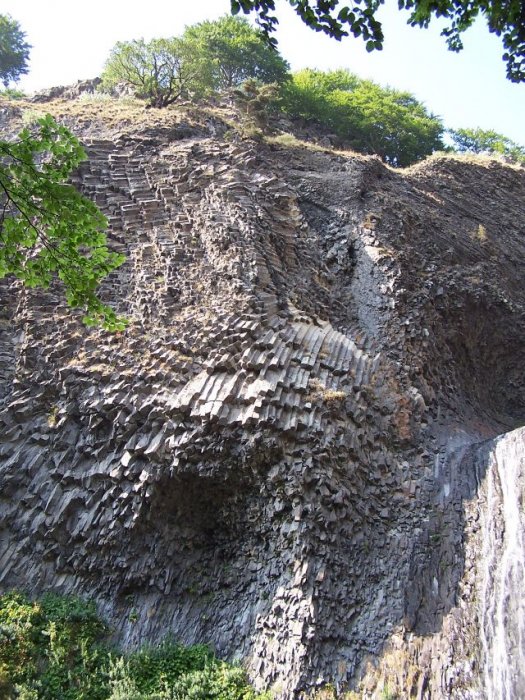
(72, 40)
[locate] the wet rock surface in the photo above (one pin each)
(271, 458)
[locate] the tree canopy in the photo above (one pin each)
(47, 228)
(159, 71)
(486, 141)
(370, 118)
(210, 56)
(229, 51)
(337, 19)
(14, 51)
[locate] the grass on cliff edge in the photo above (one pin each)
(57, 647)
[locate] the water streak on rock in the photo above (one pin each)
(503, 591)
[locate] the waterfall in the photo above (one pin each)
(502, 598)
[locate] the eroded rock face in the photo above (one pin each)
(477, 651)
(69, 92)
(271, 457)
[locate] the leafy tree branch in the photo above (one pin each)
(506, 19)
(47, 228)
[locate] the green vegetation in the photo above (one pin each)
(256, 104)
(229, 51)
(47, 228)
(50, 649)
(505, 19)
(211, 56)
(487, 142)
(371, 119)
(229, 56)
(12, 94)
(160, 71)
(14, 51)
(57, 648)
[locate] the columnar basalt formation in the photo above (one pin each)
(271, 458)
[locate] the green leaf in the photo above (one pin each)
(50, 229)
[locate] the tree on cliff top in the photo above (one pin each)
(368, 117)
(230, 51)
(487, 141)
(210, 56)
(14, 51)
(160, 71)
(337, 19)
(47, 228)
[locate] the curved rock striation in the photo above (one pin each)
(272, 457)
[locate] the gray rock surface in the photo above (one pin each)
(273, 457)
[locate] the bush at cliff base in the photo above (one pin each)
(57, 647)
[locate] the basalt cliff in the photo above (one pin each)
(305, 449)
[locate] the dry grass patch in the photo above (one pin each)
(319, 393)
(107, 113)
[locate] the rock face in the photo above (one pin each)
(503, 580)
(278, 455)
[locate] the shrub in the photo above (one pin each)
(152, 668)
(57, 647)
(369, 118)
(487, 142)
(256, 103)
(51, 648)
(13, 94)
